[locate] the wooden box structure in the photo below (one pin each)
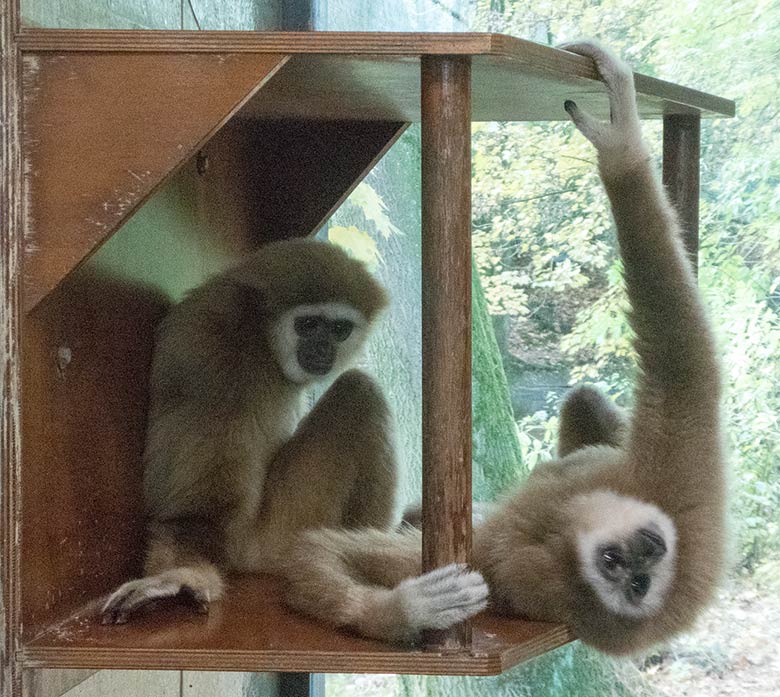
(93, 123)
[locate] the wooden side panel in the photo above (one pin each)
(85, 357)
(101, 131)
(446, 320)
(10, 318)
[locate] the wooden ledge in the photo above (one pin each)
(251, 630)
(517, 55)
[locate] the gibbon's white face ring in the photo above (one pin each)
(603, 518)
(284, 340)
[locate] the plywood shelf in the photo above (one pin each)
(251, 630)
(375, 75)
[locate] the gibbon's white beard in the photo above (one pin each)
(284, 340)
(604, 517)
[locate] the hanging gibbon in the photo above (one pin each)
(622, 536)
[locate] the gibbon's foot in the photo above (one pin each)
(442, 597)
(140, 593)
(619, 140)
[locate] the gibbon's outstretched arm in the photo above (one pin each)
(677, 397)
(622, 537)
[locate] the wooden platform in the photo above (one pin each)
(251, 630)
(96, 122)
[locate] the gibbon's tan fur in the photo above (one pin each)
(232, 470)
(622, 537)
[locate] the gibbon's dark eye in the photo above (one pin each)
(651, 544)
(342, 328)
(307, 325)
(611, 558)
(640, 584)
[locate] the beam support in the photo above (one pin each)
(446, 321)
(682, 135)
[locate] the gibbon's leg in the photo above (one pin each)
(173, 568)
(338, 470)
(589, 417)
(675, 421)
(367, 580)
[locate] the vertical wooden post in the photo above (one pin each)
(10, 319)
(682, 133)
(446, 320)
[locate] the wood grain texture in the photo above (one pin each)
(102, 131)
(682, 138)
(251, 630)
(85, 359)
(10, 319)
(446, 320)
(502, 68)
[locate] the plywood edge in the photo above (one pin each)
(38, 654)
(252, 629)
(10, 321)
(356, 43)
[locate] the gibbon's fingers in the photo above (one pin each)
(618, 79)
(442, 597)
(134, 595)
(590, 127)
(619, 141)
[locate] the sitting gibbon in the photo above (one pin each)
(622, 536)
(234, 467)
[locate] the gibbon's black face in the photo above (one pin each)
(628, 564)
(318, 341)
(315, 342)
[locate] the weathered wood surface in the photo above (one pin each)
(10, 318)
(376, 75)
(101, 133)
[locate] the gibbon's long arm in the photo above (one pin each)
(676, 414)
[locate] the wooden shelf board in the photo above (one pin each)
(251, 630)
(376, 75)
